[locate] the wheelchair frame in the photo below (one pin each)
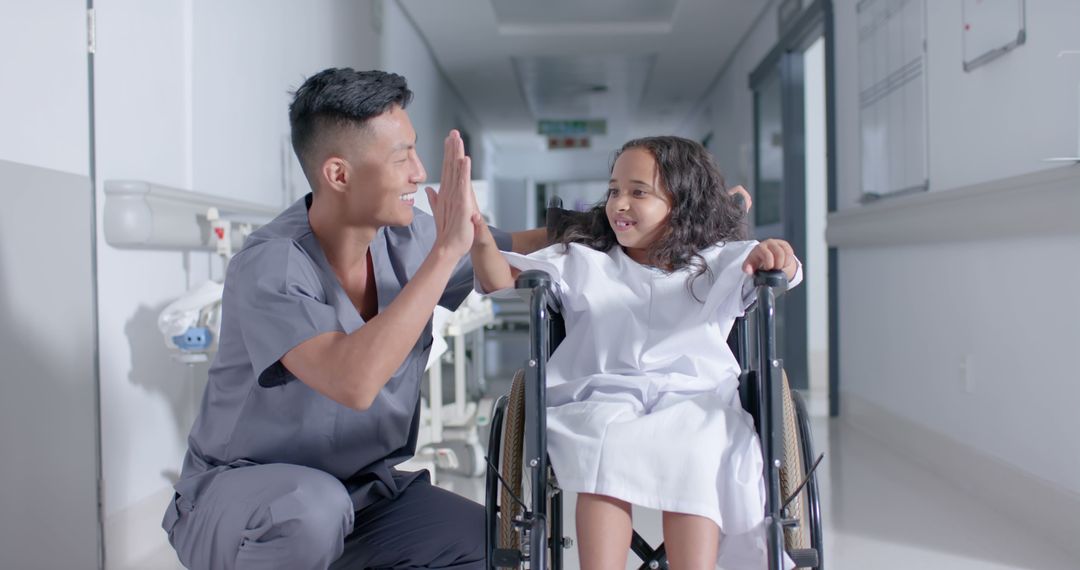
(761, 391)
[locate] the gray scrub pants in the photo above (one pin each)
(288, 516)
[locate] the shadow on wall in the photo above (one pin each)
(155, 370)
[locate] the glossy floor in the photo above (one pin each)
(883, 512)
(880, 512)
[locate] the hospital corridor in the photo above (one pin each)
(558, 284)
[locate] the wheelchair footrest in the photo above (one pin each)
(804, 557)
(506, 558)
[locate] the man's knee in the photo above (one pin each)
(266, 516)
(303, 527)
(467, 537)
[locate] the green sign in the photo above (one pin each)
(557, 127)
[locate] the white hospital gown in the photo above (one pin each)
(642, 393)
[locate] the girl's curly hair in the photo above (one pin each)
(702, 211)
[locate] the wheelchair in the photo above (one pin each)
(524, 509)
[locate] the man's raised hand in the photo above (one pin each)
(454, 205)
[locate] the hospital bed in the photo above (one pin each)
(524, 503)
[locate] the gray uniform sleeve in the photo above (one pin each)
(274, 292)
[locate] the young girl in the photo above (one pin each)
(643, 403)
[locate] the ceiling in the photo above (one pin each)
(642, 65)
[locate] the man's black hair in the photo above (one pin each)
(339, 97)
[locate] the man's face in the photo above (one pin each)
(386, 171)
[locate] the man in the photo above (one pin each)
(313, 397)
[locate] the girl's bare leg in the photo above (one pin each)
(604, 528)
(691, 541)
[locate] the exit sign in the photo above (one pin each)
(571, 128)
(568, 142)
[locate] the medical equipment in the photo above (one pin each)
(143, 215)
(451, 436)
(191, 323)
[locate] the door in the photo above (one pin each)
(780, 200)
(794, 191)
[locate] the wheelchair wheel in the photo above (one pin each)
(792, 474)
(798, 458)
(511, 467)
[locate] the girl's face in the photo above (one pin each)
(638, 204)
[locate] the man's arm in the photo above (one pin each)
(352, 369)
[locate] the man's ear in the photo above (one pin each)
(335, 173)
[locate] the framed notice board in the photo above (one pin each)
(892, 97)
(992, 28)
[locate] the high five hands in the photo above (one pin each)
(457, 218)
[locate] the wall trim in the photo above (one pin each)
(1042, 505)
(1039, 204)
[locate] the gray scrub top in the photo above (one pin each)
(280, 291)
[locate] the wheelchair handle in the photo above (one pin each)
(773, 278)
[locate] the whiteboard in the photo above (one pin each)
(892, 96)
(991, 29)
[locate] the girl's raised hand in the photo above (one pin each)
(772, 254)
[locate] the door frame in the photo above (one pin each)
(816, 20)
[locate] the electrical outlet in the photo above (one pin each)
(967, 378)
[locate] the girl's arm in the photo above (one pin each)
(491, 269)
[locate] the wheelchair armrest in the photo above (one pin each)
(534, 281)
(533, 278)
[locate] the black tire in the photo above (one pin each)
(491, 500)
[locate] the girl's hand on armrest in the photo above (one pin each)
(772, 254)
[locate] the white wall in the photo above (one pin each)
(190, 94)
(243, 84)
(436, 107)
(142, 93)
(915, 318)
(1020, 108)
(728, 111)
(44, 115)
(555, 165)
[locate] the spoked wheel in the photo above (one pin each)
(802, 541)
(504, 480)
(511, 465)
